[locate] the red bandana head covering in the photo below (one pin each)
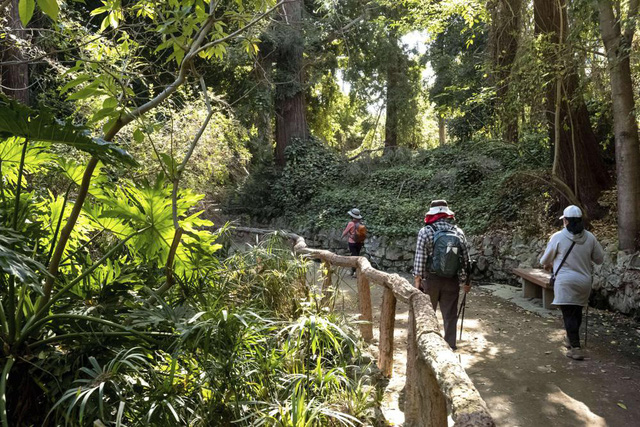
(430, 219)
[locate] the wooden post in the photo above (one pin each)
(411, 395)
(364, 303)
(387, 325)
(425, 403)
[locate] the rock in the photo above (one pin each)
(394, 253)
(372, 244)
(623, 259)
(482, 264)
(635, 262)
(510, 263)
(489, 250)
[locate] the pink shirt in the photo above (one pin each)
(351, 231)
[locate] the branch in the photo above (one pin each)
(349, 26)
(174, 206)
(168, 267)
(373, 150)
(53, 52)
(243, 29)
(561, 187)
(180, 79)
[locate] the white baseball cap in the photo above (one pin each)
(572, 212)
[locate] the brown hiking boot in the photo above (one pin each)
(575, 353)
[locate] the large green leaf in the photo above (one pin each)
(26, 8)
(21, 121)
(21, 267)
(50, 7)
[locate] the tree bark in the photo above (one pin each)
(393, 96)
(16, 76)
(504, 37)
(291, 120)
(578, 161)
(387, 326)
(618, 46)
(263, 148)
(442, 130)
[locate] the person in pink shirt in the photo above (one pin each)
(350, 231)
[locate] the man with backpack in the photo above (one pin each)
(441, 264)
(357, 233)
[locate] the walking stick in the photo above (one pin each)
(463, 305)
(586, 326)
(471, 265)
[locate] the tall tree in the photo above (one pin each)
(579, 169)
(458, 70)
(504, 34)
(290, 112)
(393, 92)
(16, 69)
(618, 42)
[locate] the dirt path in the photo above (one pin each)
(516, 360)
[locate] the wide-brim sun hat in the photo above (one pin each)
(439, 207)
(355, 213)
(571, 211)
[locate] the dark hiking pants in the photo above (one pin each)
(572, 316)
(355, 248)
(444, 292)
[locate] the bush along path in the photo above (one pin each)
(515, 357)
(345, 300)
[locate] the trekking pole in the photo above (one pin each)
(586, 326)
(471, 267)
(463, 305)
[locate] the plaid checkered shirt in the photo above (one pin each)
(424, 249)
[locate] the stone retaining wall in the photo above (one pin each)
(616, 282)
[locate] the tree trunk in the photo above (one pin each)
(504, 35)
(442, 130)
(291, 121)
(618, 47)
(393, 96)
(15, 76)
(578, 161)
(262, 150)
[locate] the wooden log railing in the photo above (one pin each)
(435, 379)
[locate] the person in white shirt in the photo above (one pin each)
(573, 277)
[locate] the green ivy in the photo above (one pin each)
(481, 179)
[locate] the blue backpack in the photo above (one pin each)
(447, 253)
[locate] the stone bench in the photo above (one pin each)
(535, 284)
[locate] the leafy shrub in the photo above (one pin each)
(309, 166)
(237, 351)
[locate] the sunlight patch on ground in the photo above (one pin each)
(563, 403)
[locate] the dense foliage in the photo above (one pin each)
(126, 126)
(241, 341)
(486, 183)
